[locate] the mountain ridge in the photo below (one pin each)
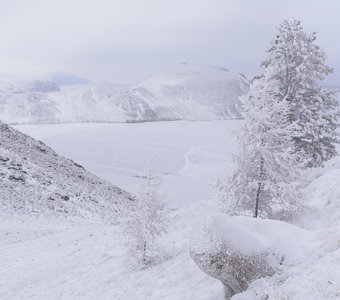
(183, 92)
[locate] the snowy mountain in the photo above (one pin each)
(34, 180)
(101, 102)
(193, 92)
(184, 92)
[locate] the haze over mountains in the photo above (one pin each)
(183, 92)
(19, 83)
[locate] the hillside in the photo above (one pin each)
(34, 180)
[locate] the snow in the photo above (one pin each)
(189, 156)
(34, 180)
(49, 258)
(194, 92)
(317, 275)
(44, 258)
(323, 196)
(250, 236)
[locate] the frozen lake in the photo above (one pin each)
(188, 156)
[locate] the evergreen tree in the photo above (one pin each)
(298, 66)
(265, 182)
(147, 222)
(290, 125)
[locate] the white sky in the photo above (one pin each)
(128, 40)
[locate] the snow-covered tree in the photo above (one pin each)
(266, 178)
(147, 222)
(290, 125)
(298, 65)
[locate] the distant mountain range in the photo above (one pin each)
(184, 92)
(21, 83)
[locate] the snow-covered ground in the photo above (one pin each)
(47, 259)
(42, 259)
(189, 156)
(52, 259)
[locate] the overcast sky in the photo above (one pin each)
(128, 40)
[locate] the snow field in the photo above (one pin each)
(51, 259)
(56, 260)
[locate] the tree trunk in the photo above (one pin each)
(259, 189)
(144, 254)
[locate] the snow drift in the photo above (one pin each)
(239, 250)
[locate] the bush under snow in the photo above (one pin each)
(239, 249)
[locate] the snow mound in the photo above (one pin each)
(185, 92)
(316, 275)
(34, 180)
(250, 236)
(242, 249)
(322, 196)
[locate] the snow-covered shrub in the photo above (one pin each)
(146, 224)
(239, 250)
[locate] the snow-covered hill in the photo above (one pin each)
(193, 92)
(184, 92)
(34, 180)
